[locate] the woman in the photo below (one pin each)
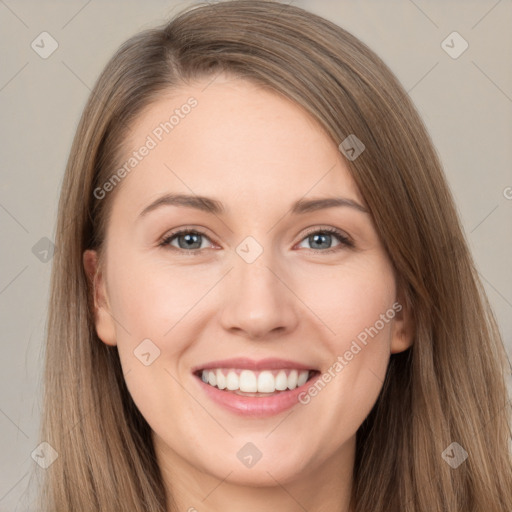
(260, 369)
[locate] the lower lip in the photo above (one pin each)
(257, 406)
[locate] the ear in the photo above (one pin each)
(103, 319)
(403, 331)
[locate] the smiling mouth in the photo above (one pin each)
(263, 383)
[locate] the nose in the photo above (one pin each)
(259, 299)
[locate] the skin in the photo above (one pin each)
(257, 153)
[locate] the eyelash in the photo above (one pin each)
(344, 240)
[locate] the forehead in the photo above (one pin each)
(236, 141)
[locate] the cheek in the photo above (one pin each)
(164, 304)
(151, 298)
(153, 306)
(350, 299)
(361, 347)
(357, 306)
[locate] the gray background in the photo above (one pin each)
(466, 103)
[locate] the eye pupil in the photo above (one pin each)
(314, 239)
(190, 240)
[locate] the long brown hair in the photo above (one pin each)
(448, 387)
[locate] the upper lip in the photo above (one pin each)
(250, 364)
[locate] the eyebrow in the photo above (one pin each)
(210, 205)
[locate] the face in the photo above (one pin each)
(256, 284)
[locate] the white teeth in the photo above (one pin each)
(221, 380)
(281, 381)
(303, 377)
(247, 381)
(232, 381)
(292, 379)
(266, 382)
